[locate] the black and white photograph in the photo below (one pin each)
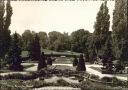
(63, 44)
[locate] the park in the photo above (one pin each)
(60, 61)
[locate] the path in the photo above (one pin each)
(89, 70)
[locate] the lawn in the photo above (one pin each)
(54, 53)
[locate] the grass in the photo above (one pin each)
(49, 52)
(66, 60)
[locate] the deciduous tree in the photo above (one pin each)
(5, 21)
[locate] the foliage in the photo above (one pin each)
(42, 62)
(62, 82)
(5, 21)
(43, 39)
(81, 64)
(14, 56)
(94, 77)
(59, 41)
(75, 61)
(49, 61)
(88, 85)
(19, 76)
(79, 40)
(120, 30)
(108, 56)
(35, 49)
(27, 38)
(101, 28)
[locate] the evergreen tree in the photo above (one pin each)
(108, 54)
(5, 21)
(14, 55)
(35, 49)
(101, 28)
(42, 62)
(120, 30)
(75, 61)
(81, 64)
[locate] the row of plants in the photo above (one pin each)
(32, 84)
(88, 85)
(28, 76)
(112, 81)
(47, 73)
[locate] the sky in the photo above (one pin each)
(62, 16)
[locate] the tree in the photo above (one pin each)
(101, 28)
(59, 41)
(27, 38)
(81, 64)
(42, 62)
(14, 55)
(79, 40)
(20, 39)
(35, 49)
(108, 56)
(75, 61)
(120, 30)
(43, 39)
(53, 36)
(5, 21)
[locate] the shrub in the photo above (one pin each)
(95, 77)
(88, 85)
(62, 82)
(106, 79)
(19, 76)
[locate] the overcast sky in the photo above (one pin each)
(62, 16)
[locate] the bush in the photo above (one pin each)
(88, 85)
(106, 79)
(95, 77)
(19, 76)
(62, 82)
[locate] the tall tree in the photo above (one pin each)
(5, 21)
(35, 49)
(14, 55)
(120, 30)
(108, 56)
(101, 27)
